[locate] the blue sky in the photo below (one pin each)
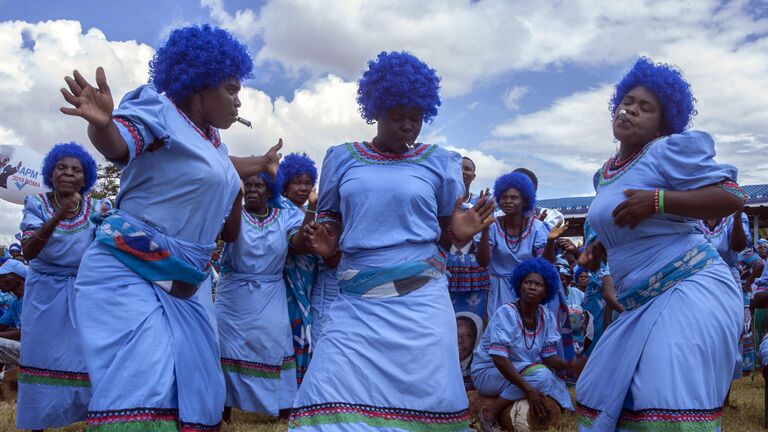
(524, 83)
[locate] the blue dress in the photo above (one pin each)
(652, 367)
(251, 308)
(153, 358)
(719, 237)
(54, 388)
(508, 337)
(386, 361)
(506, 253)
(323, 294)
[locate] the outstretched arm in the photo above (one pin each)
(95, 105)
(249, 166)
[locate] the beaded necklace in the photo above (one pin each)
(525, 327)
(612, 170)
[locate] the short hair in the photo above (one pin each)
(474, 167)
(530, 174)
(398, 79)
(198, 57)
(293, 165)
(668, 84)
(521, 183)
(75, 150)
(541, 266)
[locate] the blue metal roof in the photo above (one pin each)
(758, 194)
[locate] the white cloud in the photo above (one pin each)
(323, 112)
(512, 97)
(487, 167)
(473, 42)
(242, 23)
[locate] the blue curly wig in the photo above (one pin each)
(398, 79)
(668, 84)
(75, 150)
(518, 181)
(544, 268)
(198, 57)
(292, 165)
(579, 270)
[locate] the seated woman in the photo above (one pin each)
(518, 346)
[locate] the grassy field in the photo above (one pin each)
(746, 394)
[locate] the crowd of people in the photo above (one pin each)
(377, 300)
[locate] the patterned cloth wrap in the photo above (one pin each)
(392, 281)
(146, 251)
(682, 268)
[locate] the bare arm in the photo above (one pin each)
(9, 333)
(738, 240)
(231, 229)
(484, 249)
(249, 166)
(609, 294)
(709, 202)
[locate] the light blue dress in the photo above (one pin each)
(719, 237)
(153, 358)
(386, 363)
(508, 337)
(252, 312)
(506, 253)
(54, 388)
(323, 294)
(652, 366)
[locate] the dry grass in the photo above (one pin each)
(747, 395)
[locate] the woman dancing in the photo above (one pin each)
(150, 347)
(388, 357)
(671, 374)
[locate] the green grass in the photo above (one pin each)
(746, 394)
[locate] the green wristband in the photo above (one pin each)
(661, 202)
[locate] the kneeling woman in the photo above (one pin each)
(254, 329)
(518, 345)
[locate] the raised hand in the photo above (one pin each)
(312, 200)
(557, 231)
(467, 223)
(93, 104)
(638, 206)
(272, 158)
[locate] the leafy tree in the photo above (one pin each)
(108, 183)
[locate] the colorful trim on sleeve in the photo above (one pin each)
(32, 375)
(548, 350)
(379, 417)
(328, 216)
(134, 132)
(734, 189)
(498, 350)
